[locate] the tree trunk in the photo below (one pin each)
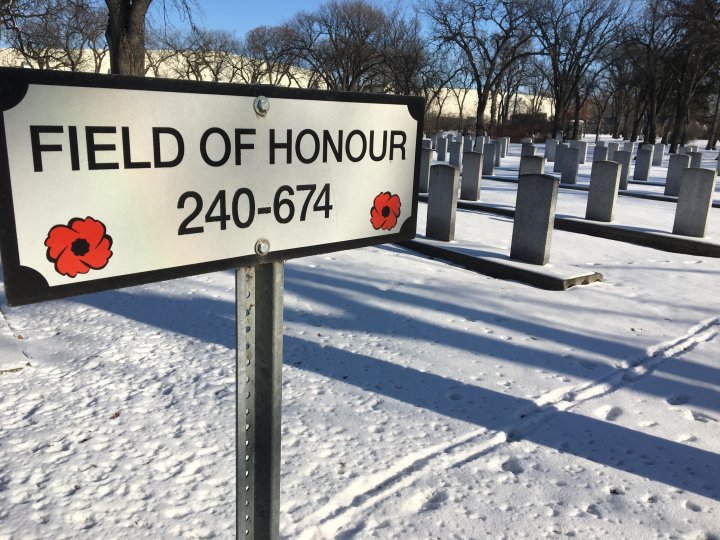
(652, 109)
(680, 118)
(126, 36)
(667, 126)
(482, 105)
(652, 119)
(576, 117)
(712, 136)
(617, 113)
(561, 106)
(626, 123)
(493, 112)
(635, 128)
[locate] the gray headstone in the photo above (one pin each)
(694, 201)
(560, 156)
(425, 162)
(612, 148)
(571, 163)
(693, 147)
(479, 144)
(434, 138)
(532, 165)
(534, 218)
(677, 164)
(658, 154)
(600, 153)
(604, 183)
(528, 149)
(550, 148)
(427, 143)
(526, 140)
(468, 143)
(695, 159)
(582, 148)
(498, 152)
(455, 153)
(442, 143)
(471, 176)
(682, 150)
(642, 164)
(623, 157)
(505, 145)
(488, 168)
(601, 144)
(628, 146)
(442, 202)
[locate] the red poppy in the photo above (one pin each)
(78, 247)
(385, 211)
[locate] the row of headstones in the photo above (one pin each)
(568, 157)
(485, 154)
(537, 199)
(686, 157)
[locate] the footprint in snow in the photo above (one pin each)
(512, 465)
(426, 501)
(678, 399)
(699, 416)
(507, 464)
(608, 412)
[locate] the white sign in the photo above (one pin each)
(110, 178)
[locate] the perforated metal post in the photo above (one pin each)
(259, 305)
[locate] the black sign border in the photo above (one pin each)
(24, 285)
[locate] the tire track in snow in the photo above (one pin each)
(342, 509)
(369, 490)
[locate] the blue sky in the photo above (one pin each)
(243, 15)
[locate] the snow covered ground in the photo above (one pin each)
(420, 400)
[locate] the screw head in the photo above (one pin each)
(262, 247)
(261, 105)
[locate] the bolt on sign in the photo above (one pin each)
(115, 181)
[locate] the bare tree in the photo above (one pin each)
(214, 51)
(95, 24)
(407, 59)
(713, 131)
(535, 84)
(600, 96)
(508, 89)
(160, 50)
(573, 34)
(340, 42)
(460, 88)
(268, 53)
(492, 34)
(654, 33)
(696, 57)
(56, 34)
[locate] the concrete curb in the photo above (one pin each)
(542, 277)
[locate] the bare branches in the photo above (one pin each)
(491, 34)
(574, 35)
(50, 34)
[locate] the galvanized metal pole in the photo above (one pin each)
(259, 305)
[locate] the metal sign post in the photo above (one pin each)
(259, 304)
